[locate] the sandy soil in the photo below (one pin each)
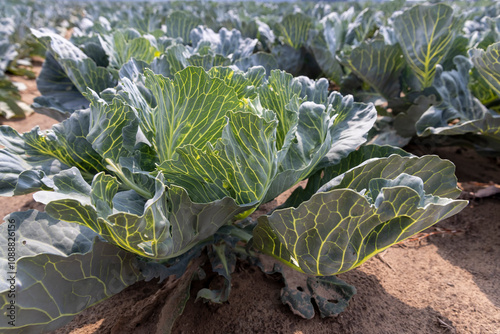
(446, 280)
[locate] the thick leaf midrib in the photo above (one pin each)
(433, 52)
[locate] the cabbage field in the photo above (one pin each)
(201, 147)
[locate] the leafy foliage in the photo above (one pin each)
(376, 56)
(488, 65)
(10, 104)
(425, 34)
(179, 122)
(61, 269)
(379, 65)
(337, 229)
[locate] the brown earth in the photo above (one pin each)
(446, 280)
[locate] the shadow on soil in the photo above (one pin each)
(255, 307)
(477, 248)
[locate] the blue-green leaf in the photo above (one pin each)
(60, 269)
(179, 118)
(241, 165)
(81, 70)
(359, 214)
(425, 34)
(487, 64)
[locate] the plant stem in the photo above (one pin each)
(117, 169)
(242, 250)
(241, 234)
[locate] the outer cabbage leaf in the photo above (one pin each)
(425, 34)
(459, 112)
(322, 134)
(379, 65)
(61, 269)
(289, 59)
(268, 61)
(166, 226)
(326, 43)
(121, 46)
(362, 155)
(483, 133)
(363, 27)
(487, 64)
(294, 29)
(81, 70)
(93, 49)
(28, 160)
(404, 122)
(384, 133)
(60, 97)
(180, 24)
(11, 105)
(227, 43)
(338, 229)
(442, 183)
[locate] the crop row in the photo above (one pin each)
(179, 120)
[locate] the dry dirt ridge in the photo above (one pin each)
(447, 281)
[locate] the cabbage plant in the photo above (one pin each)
(95, 60)
(10, 104)
(158, 170)
(437, 81)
